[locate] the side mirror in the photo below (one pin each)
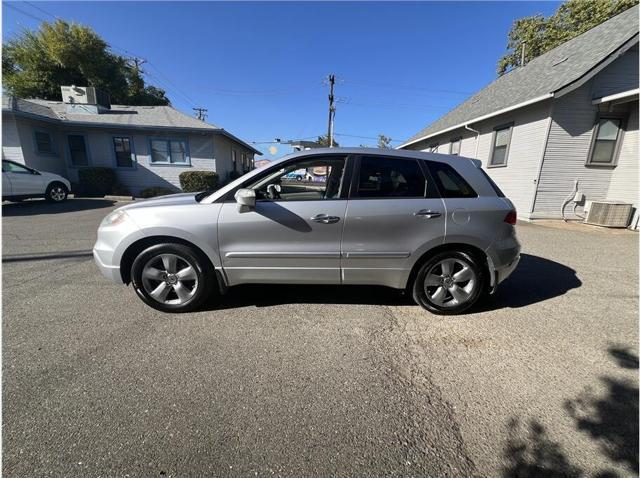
(245, 197)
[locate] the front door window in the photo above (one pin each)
(307, 180)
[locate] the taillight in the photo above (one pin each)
(511, 217)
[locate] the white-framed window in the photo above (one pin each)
(454, 146)
(44, 142)
(123, 149)
(168, 151)
(500, 145)
(606, 140)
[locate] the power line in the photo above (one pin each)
(407, 87)
(42, 10)
(23, 12)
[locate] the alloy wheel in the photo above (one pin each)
(170, 279)
(450, 282)
(57, 193)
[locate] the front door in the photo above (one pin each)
(293, 233)
(393, 216)
(24, 181)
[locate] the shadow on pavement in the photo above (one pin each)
(34, 207)
(263, 295)
(535, 280)
(609, 418)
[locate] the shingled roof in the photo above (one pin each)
(543, 76)
(119, 116)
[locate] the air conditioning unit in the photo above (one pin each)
(609, 213)
(85, 95)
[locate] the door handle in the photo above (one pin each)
(427, 213)
(324, 219)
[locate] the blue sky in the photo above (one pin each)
(259, 67)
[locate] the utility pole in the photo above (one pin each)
(201, 113)
(332, 110)
(524, 45)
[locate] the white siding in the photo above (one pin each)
(11, 148)
(625, 177)
(517, 179)
(573, 119)
(145, 174)
(53, 163)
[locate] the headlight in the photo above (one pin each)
(115, 218)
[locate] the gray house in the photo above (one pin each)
(148, 146)
(569, 115)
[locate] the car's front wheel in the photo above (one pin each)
(449, 283)
(56, 192)
(172, 278)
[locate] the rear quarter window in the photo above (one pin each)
(493, 184)
(449, 182)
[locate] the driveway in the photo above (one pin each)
(299, 381)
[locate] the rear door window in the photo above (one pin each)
(381, 177)
(450, 183)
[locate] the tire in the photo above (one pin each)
(56, 192)
(155, 275)
(449, 283)
(298, 178)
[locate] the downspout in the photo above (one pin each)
(466, 126)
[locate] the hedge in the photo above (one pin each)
(195, 181)
(96, 181)
(154, 192)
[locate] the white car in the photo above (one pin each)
(20, 182)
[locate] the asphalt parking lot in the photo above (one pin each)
(304, 381)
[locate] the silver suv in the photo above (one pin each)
(432, 224)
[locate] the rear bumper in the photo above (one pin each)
(505, 272)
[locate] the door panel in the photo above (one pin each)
(278, 242)
(25, 183)
(6, 184)
(383, 238)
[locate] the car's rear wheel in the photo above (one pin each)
(172, 278)
(449, 283)
(56, 192)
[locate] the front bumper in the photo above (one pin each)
(110, 272)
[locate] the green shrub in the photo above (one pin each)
(96, 181)
(155, 191)
(120, 189)
(195, 181)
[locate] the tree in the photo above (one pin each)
(540, 34)
(384, 142)
(36, 63)
(323, 141)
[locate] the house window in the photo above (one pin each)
(500, 147)
(606, 140)
(44, 142)
(124, 154)
(169, 151)
(454, 147)
(234, 158)
(78, 150)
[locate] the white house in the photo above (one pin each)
(569, 115)
(148, 146)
